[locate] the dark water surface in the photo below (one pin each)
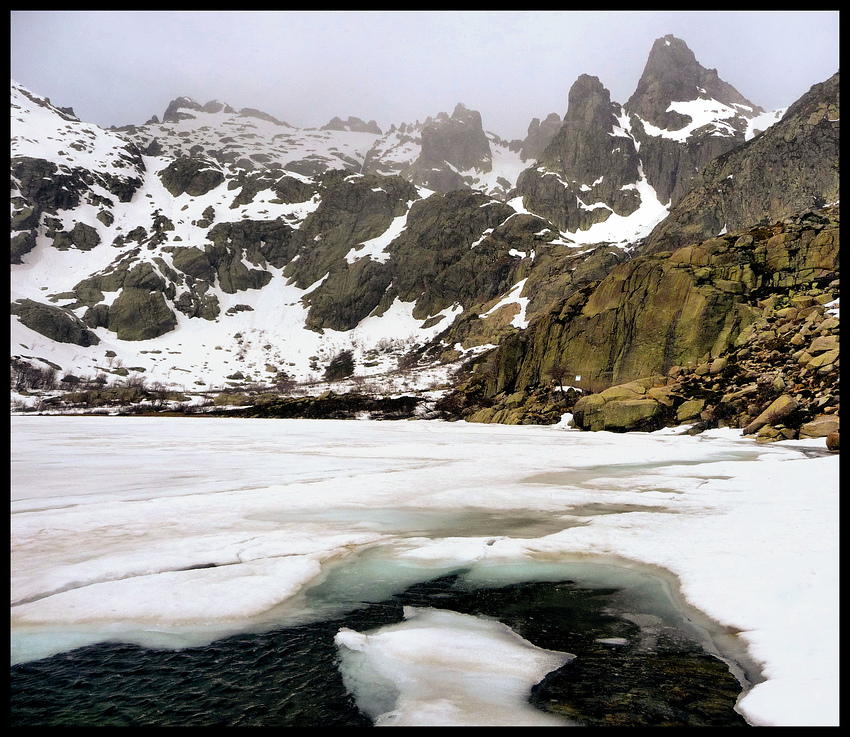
(289, 677)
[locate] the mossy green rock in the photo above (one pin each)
(690, 409)
(616, 413)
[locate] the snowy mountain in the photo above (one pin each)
(456, 152)
(610, 164)
(223, 248)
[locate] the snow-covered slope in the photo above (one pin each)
(219, 247)
(258, 332)
(251, 140)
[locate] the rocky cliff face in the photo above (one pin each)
(539, 136)
(746, 308)
(680, 117)
(790, 167)
(590, 167)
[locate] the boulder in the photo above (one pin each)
(820, 427)
(53, 322)
(139, 314)
(690, 409)
(192, 175)
(779, 408)
(616, 411)
(823, 359)
(587, 412)
(823, 343)
(832, 441)
(629, 414)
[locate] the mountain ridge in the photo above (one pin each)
(184, 234)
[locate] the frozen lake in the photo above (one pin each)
(176, 532)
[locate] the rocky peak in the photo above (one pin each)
(450, 146)
(673, 74)
(178, 109)
(579, 151)
(589, 104)
(583, 175)
(539, 136)
(353, 124)
(216, 106)
(463, 114)
(174, 112)
(250, 112)
(683, 116)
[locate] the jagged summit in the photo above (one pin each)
(609, 161)
(589, 160)
(539, 135)
(673, 74)
(185, 108)
(459, 141)
(282, 246)
(353, 124)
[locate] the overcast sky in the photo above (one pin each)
(305, 67)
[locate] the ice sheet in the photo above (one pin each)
(175, 531)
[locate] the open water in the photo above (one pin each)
(631, 668)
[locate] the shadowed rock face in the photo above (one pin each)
(193, 175)
(451, 145)
(790, 167)
(539, 136)
(587, 162)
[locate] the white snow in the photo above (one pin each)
(114, 518)
(701, 112)
(626, 230)
(513, 297)
(375, 248)
(763, 122)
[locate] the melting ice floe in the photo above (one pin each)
(441, 668)
(173, 532)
